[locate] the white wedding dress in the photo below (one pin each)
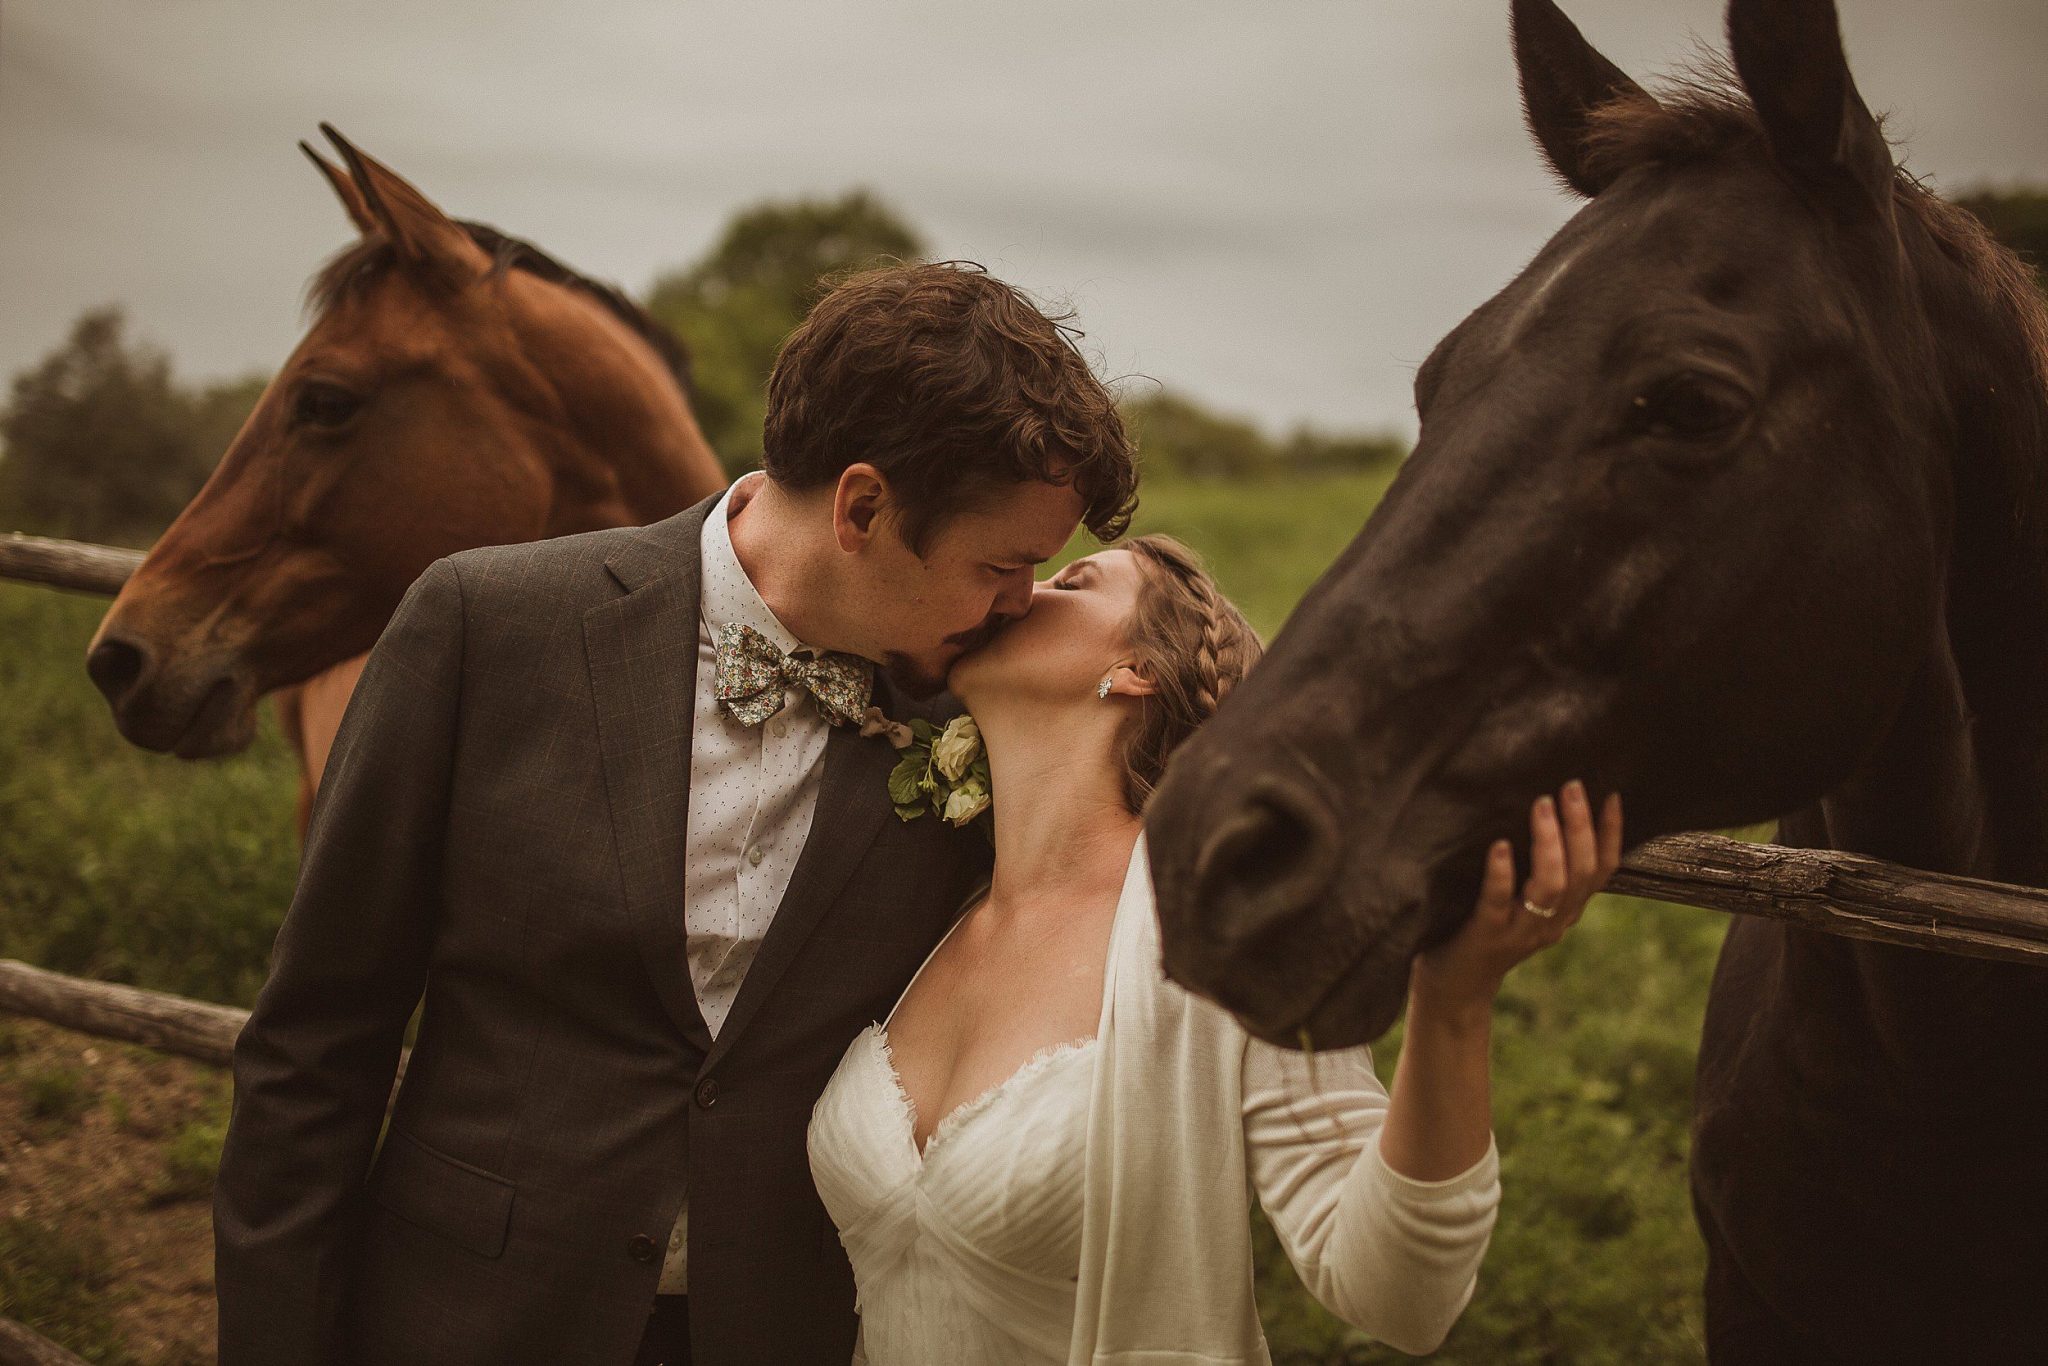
(981, 1248)
(968, 1252)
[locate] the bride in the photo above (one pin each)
(1045, 1153)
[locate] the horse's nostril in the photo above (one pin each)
(1255, 841)
(1267, 864)
(114, 665)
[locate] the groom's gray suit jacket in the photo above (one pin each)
(501, 827)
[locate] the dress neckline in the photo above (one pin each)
(960, 1115)
(880, 1029)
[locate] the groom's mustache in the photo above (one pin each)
(981, 635)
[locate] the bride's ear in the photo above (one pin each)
(1129, 679)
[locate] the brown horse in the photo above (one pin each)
(457, 388)
(1733, 501)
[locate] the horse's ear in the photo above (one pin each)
(1790, 57)
(344, 189)
(1563, 81)
(425, 237)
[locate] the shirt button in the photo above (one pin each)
(641, 1247)
(779, 729)
(707, 1092)
(754, 856)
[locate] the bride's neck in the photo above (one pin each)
(1062, 829)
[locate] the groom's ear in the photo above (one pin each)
(857, 502)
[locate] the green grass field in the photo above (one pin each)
(140, 868)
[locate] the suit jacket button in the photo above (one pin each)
(707, 1092)
(642, 1247)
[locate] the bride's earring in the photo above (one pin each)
(1102, 688)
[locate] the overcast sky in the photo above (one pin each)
(1277, 206)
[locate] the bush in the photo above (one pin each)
(103, 445)
(191, 1158)
(58, 1285)
(122, 865)
(57, 1094)
(750, 291)
(1180, 439)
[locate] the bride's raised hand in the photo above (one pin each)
(1570, 859)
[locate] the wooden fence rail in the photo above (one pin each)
(76, 565)
(1843, 894)
(154, 1019)
(21, 1345)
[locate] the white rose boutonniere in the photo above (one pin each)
(956, 748)
(966, 802)
(944, 772)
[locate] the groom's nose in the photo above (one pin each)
(1013, 599)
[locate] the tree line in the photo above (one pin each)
(100, 440)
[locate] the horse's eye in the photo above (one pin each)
(1689, 407)
(321, 404)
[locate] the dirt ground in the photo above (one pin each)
(103, 1145)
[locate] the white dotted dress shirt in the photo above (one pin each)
(753, 791)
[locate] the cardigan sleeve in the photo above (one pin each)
(1395, 1257)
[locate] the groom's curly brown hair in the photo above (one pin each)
(957, 387)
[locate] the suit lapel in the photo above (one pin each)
(641, 648)
(852, 804)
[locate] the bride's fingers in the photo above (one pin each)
(1546, 885)
(1581, 842)
(1610, 835)
(1497, 887)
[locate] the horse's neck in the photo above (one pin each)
(626, 448)
(1930, 797)
(1961, 783)
(1920, 798)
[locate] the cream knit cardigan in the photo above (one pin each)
(1175, 1151)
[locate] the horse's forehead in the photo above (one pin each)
(1733, 213)
(1537, 289)
(1664, 240)
(394, 321)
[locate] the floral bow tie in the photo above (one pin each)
(753, 676)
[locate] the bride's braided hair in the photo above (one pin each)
(1194, 645)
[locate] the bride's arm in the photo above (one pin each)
(1391, 1255)
(1385, 1206)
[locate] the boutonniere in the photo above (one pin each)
(944, 772)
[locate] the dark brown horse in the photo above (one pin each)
(457, 388)
(1733, 501)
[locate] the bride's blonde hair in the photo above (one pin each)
(1194, 645)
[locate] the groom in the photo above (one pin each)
(602, 803)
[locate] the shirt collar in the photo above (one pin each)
(729, 596)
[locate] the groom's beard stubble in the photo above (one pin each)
(921, 682)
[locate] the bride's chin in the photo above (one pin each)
(969, 673)
(960, 681)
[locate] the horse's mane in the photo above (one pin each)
(357, 267)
